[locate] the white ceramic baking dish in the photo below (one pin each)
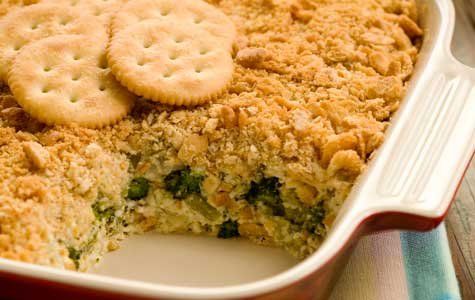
(410, 184)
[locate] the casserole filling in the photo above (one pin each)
(272, 160)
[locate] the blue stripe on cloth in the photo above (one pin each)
(428, 264)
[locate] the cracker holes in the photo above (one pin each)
(45, 90)
(102, 88)
(164, 12)
(204, 51)
(179, 40)
(76, 57)
(141, 63)
(64, 22)
(167, 75)
(34, 26)
(103, 63)
(147, 45)
(46, 69)
(198, 20)
(198, 70)
(173, 56)
(17, 47)
(75, 77)
(73, 99)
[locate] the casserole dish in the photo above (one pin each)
(409, 184)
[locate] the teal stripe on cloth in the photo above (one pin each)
(428, 264)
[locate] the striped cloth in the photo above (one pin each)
(400, 266)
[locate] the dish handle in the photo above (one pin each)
(418, 170)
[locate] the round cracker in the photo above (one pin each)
(64, 79)
(170, 62)
(98, 8)
(38, 21)
(190, 13)
(6, 6)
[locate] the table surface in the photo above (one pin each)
(461, 220)
(461, 232)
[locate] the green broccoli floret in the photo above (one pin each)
(228, 229)
(138, 188)
(267, 192)
(315, 217)
(101, 213)
(74, 255)
(182, 183)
